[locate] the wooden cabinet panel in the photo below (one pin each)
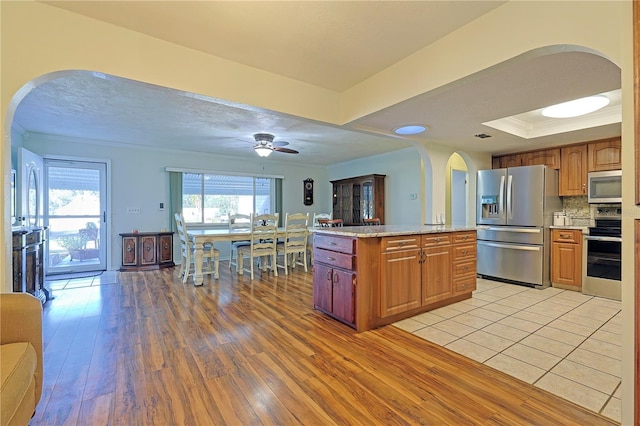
(401, 288)
(513, 160)
(433, 240)
(547, 157)
(323, 287)
(343, 245)
(436, 274)
(334, 259)
(573, 170)
(566, 258)
(605, 155)
(358, 198)
(343, 295)
(165, 249)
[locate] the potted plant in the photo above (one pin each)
(76, 244)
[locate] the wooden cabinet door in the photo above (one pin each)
(437, 283)
(605, 155)
(547, 157)
(148, 250)
(566, 264)
(129, 251)
(343, 295)
(400, 283)
(514, 160)
(322, 287)
(573, 170)
(165, 249)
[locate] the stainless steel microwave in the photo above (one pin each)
(605, 187)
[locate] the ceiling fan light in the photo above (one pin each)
(262, 150)
(576, 108)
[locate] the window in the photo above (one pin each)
(210, 198)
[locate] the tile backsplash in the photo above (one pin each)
(577, 208)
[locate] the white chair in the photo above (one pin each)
(209, 253)
(296, 228)
(316, 224)
(238, 222)
(264, 237)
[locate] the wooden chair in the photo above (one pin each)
(264, 237)
(372, 222)
(187, 250)
(238, 222)
(295, 241)
(330, 223)
(316, 224)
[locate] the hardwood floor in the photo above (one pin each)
(151, 350)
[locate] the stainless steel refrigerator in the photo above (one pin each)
(514, 211)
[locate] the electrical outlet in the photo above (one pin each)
(133, 210)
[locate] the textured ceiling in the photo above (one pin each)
(329, 44)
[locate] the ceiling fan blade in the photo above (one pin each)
(287, 150)
(279, 143)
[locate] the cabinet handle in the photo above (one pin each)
(328, 275)
(465, 237)
(584, 188)
(465, 251)
(566, 235)
(331, 243)
(336, 278)
(331, 258)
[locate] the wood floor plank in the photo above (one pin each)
(151, 350)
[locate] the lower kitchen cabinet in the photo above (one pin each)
(566, 259)
(370, 282)
(334, 277)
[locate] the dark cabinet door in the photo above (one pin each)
(165, 248)
(322, 287)
(343, 300)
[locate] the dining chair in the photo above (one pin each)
(296, 231)
(262, 243)
(211, 254)
(331, 223)
(372, 221)
(238, 222)
(317, 217)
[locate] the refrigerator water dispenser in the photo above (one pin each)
(490, 207)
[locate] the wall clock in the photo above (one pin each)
(308, 192)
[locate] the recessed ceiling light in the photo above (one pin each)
(412, 129)
(576, 107)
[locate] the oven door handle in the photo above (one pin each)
(612, 239)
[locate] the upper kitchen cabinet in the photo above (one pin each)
(546, 157)
(605, 155)
(514, 160)
(358, 198)
(573, 170)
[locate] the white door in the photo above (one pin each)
(75, 200)
(458, 197)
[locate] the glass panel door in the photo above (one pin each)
(75, 200)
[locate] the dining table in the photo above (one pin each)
(199, 237)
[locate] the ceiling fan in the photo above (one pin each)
(265, 144)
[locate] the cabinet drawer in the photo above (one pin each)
(461, 269)
(462, 252)
(566, 235)
(404, 242)
(463, 237)
(343, 245)
(436, 240)
(332, 258)
(465, 284)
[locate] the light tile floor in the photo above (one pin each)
(562, 341)
(106, 277)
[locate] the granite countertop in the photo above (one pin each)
(390, 230)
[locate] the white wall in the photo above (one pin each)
(138, 179)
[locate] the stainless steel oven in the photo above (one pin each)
(603, 255)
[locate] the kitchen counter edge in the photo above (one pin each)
(390, 230)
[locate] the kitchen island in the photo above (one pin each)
(369, 276)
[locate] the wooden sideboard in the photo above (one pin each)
(28, 258)
(144, 251)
